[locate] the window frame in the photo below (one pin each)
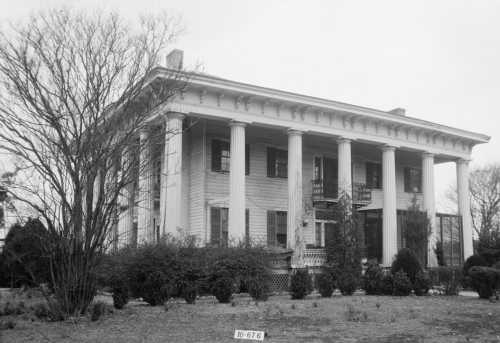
(409, 182)
(277, 226)
(273, 165)
(216, 165)
(373, 168)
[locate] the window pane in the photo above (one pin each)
(318, 234)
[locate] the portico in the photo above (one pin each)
(239, 162)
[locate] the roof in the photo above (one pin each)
(271, 94)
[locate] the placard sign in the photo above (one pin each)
(249, 334)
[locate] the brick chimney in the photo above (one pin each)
(399, 111)
(175, 59)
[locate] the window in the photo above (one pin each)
(373, 175)
(318, 233)
(221, 157)
(276, 228)
(277, 163)
(413, 180)
(219, 226)
(317, 169)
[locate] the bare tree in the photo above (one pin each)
(76, 89)
(484, 185)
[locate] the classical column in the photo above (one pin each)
(236, 220)
(464, 206)
(171, 201)
(145, 203)
(126, 200)
(344, 167)
(389, 220)
(429, 204)
(294, 215)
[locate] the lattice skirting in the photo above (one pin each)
(280, 279)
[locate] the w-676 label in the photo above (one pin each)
(249, 334)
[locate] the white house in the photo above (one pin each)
(247, 161)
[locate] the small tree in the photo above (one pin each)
(76, 91)
(345, 249)
(416, 231)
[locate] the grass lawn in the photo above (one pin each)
(358, 318)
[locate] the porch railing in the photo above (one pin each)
(328, 190)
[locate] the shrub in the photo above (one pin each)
(402, 284)
(407, 262)
(189, 292)
(41, 311)
(422, 284)
(474, 260)
(300, 284)
(259, 288)
(97, 311)
(23, 255)
(151, 272)
(449, 278)
(372, 279)
(120, 295)
(387, 284)
(156, 288)
(347, 282)
(485, 280)
(223, 289)
(325, 284)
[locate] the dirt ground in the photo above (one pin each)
(358, 318)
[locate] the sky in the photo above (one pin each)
(440, 60)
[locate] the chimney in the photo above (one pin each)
(399, 111)
(174, 59)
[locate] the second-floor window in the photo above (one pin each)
(221, 156)
(373, 175)
(413, 180)
(277, 162)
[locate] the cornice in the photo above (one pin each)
(394, 123)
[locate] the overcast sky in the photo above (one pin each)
(438, 59)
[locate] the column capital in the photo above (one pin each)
(387, 147)
(175, 115)
(294, 132)
(236, 123)
(463, 160)
(343, 140)
(427, 154)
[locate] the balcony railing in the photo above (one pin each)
(314, 257)
(328, 190)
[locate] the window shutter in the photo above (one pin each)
(369, 175)
(271, 228)
(271, 158)
(215, 227)
(247, 159)
(216, 155)
(247, 226)
(407, 180)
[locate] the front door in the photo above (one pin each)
(330, 178)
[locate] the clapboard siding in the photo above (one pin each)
(208, 188)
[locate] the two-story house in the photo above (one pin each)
(242, 161)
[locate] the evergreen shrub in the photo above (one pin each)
(325, 284)
(402, 284)
(300, 284)
(406, 261)
(372, 280)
